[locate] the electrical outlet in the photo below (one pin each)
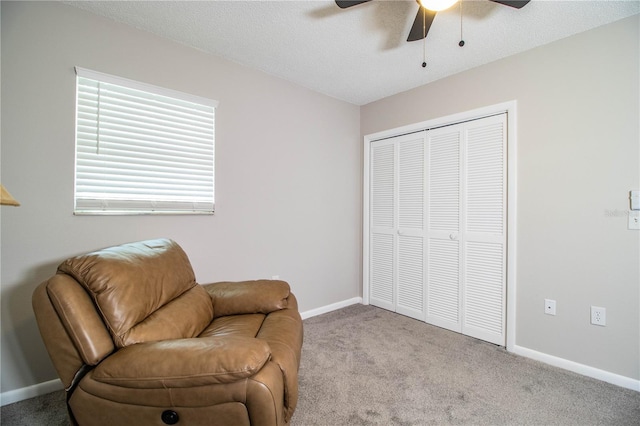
(598, 316)
(549, 306)
(634, 219)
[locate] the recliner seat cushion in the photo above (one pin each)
(184, 362)
(246, 325)
(145, 291)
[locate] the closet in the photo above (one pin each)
(437, 208)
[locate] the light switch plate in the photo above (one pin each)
(634, 196)
(634, 219)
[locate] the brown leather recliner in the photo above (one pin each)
(136, 341)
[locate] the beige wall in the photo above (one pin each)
(578, 156)
(288, 176)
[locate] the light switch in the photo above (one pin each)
(634, 219)
(634, 196)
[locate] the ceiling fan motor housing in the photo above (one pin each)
(425, 16)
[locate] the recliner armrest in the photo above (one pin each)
(184, 362)
(248, 297)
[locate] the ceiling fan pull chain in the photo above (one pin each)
(424, 37)
(461, 43)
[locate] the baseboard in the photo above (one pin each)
(333, 307)
(32, 391)
(585, 370)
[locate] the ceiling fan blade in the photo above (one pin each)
(417, 31)
(518, 4)
(343, 4)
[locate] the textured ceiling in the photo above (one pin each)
(360, 54)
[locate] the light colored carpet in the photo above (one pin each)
(366, 366)
(363, 365)
(49, 410)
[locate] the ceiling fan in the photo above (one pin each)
(427, 11)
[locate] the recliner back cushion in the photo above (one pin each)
(145, 291)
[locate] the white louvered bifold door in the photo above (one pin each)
(466, 228)
(484, 229)
(437, 239)
(397, 224)
(382, 237)
(443, 226)
(411, 224)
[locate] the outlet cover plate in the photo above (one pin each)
(549, 306)
(598, 316)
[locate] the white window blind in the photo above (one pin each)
(142, 149)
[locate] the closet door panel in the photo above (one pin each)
(382, 270)
(485, 188)
(383, 184)
(382, 218)
(443, 283)
(483, 291)
(411, 180)
(443, 225)
(411, 184)
(443, 180)
(484, 251)
(411, 276)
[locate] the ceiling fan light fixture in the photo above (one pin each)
(437, 5)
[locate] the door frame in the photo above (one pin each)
(510, 108)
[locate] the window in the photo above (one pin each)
(141, 149)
